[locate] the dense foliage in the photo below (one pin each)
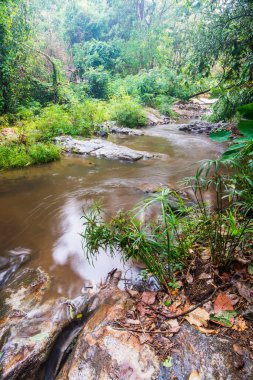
(60, 61)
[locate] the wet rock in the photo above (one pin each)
(113, 128)
(103, 352)
(125, 131)
(154, 118)
(101, 148)
(11, 262)
(211, 356)
(29, 324)
(200, 127)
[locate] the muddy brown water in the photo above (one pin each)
(41, 206)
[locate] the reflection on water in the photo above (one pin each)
(41, 207)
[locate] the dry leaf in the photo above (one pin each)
(189, 278)
(238, 349)
(149, 297)
(198, 317)
(174, 307)
(174, 325)
(145, 338)
(205, 276)
(244, 291)
(222, 303)
(141, 309)
(206, 331)
(240, 325)
(194, 375)
(205, 254)
(132, 322)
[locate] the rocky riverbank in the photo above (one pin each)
(113, 334)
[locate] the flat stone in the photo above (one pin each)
(101, 148)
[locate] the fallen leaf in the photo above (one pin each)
(222, 302)
(145, 338)
(238, 349)
(174, 307)
(168, 362)
(198, 317)
(240, 325)
(149, 297)
(244, 291)
(224, 318)
(167, 303)
(194, 375)
(205, 254)
(174, 325)
(141, 309)
(189, 278)
(206, 331)
(250, 269)
(132, 321)
(205, 276)
(233, 298)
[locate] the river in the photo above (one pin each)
(41, 207)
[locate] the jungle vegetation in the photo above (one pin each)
(68, 65)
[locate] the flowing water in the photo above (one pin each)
(41, 206)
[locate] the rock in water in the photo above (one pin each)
(10, 263)
(102, 148)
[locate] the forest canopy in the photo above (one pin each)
(155, 51)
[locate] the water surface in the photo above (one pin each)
(41, 207)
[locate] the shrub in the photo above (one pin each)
(98, 80)
(128, 113)
(43, 153)
(53, 121)
(13, 156)
(20, 155)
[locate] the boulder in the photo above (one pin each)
(106, 353)
(211, 356)
(29, 325)
(101, 148)
(200, 127)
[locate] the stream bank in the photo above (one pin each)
(113, 334)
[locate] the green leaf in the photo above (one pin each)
(246, 110)
(168, 362)
(167, 303)
(224, 317)
(220, 136)
(246, 127)
(250, 269)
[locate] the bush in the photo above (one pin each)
(43, 153)
(20, 155)
(78, 119)
(53, 121)
(98, 81)
(128, 113)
